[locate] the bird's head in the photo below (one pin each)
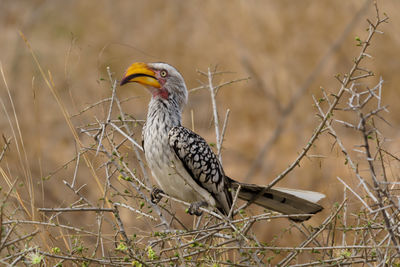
(162, 80)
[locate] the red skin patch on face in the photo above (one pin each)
(161, 92)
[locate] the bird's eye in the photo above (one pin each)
(163, 73)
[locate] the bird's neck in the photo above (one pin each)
(163, 114)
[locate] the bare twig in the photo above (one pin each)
(345, 82)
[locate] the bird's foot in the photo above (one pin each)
(156, 195)
(194, 208)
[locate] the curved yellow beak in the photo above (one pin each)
(140, 73)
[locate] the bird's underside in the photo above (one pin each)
(185, 166)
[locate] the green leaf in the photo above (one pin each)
(121, 247)
(346, 253)
(55, 250)
(151, 253)
(136, 264)
(35, 258)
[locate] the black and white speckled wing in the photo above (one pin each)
(202, 164)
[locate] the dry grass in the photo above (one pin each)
(58, 96)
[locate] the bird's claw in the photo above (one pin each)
(156, 195)
(194, 208)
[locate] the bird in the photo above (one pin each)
(183, 163)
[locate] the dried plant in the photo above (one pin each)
(127, 229)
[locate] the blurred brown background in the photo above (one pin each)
(282, 46)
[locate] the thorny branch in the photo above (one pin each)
(129, 230)
(345, 82)
(290, 107)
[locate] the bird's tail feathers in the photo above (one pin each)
(304, 194)
(283, 200)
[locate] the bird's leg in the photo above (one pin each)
(194, 208)
(156, 195)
